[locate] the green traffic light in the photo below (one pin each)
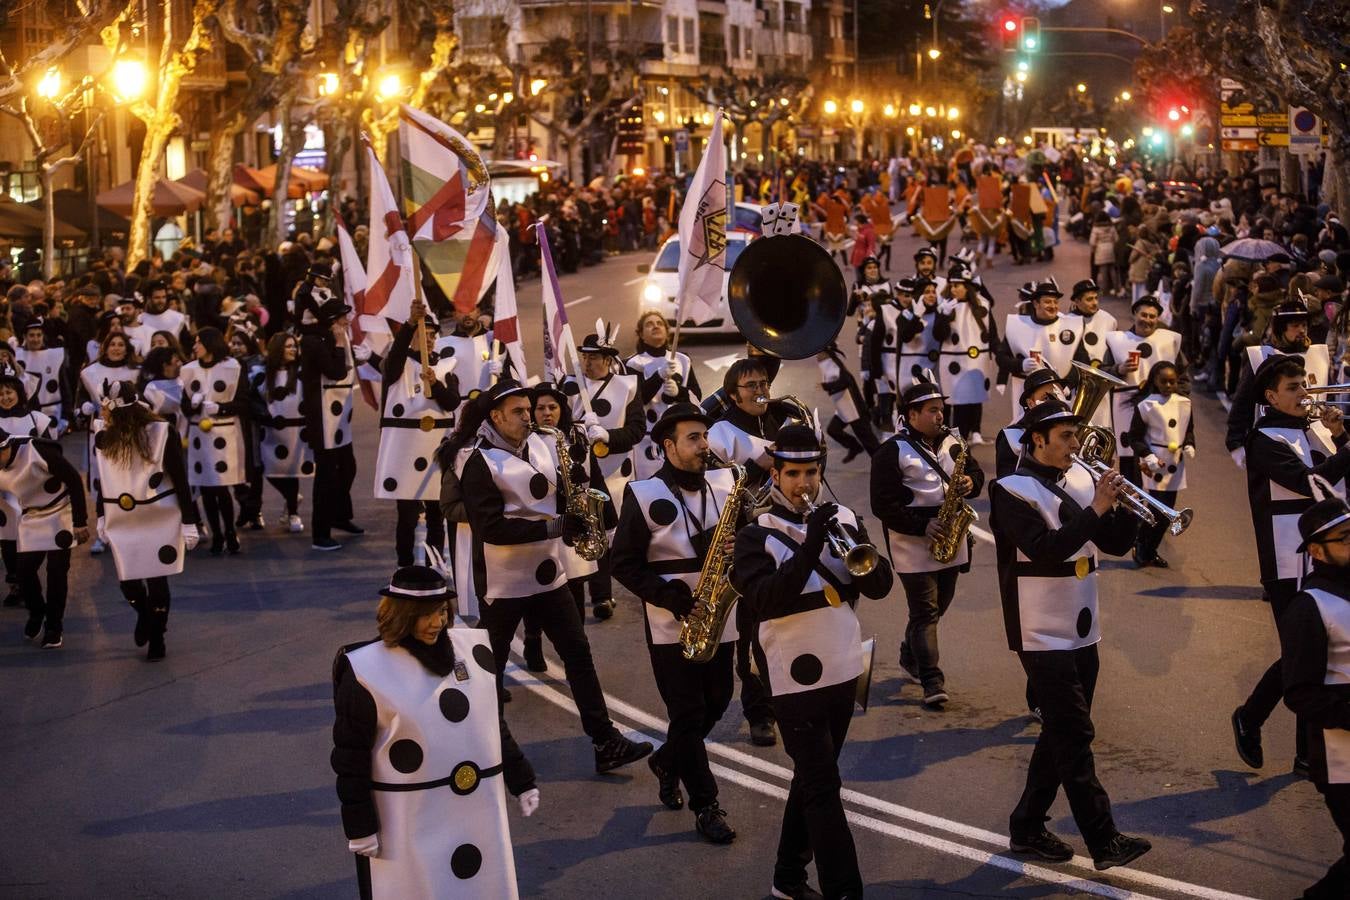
(1029, 43)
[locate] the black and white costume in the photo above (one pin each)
(1162, 434)
(1058, 343)
(849, 405)
(1162, 345)
(1095, 329)
(211, 394)
(907, 346)
(1247, 406)
(328, 374)
(47, 364)
(966, 337)
(649, 365)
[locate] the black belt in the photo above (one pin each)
(425, 423)
(327, 386)
(462, 780)
(127, 502)
(1024, 569)
(675, 566)
(289, 423)
(1289, 507)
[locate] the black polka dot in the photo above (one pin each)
(466, 861)
(307, 468)
(52, 485)
(1145, 351)
(890, 339)
(405, 756)
(222, 466)
(168, 555)
(933, 356)
(335, 407)
(396, 411)
(337, 436)
(1158, 478)
(195, 386)
(196, 443)
(1124, 437)
(420, 464)
(482, 654)
(601, 407)
(979, 311)
(651, 416)
(662, 511)
(4, 518)
(391, 484)
(281, 451)
(547, 571)
(1172, 468)
(101, 441)
(52, 386)
(626, 468)
(447, 351)
(956, 339)
(218, 387)
(986, 384)
(1171, 423)
(304, 434)
(197, 467)
(806, 669)
(538, 486)
(218, 443)
(64, 539)
(1091, 338)
(156, 479)
(571, 388)
(32, 432)
(1084, 622)
(454, 705)
(915, 370)
(954, 368)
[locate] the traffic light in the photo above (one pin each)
(632, 133)
(1031, 34)
(1010, 32)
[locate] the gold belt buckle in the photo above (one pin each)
(426, 423)
(466, 779)
(127, 502)
(1083, 567)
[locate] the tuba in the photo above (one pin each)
(714, 597)
(1095, 442)
(787, 296)
(588, 504)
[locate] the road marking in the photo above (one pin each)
(633, 281)
(646, 720)
(718, 363)
(571, 303)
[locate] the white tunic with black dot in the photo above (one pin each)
(436, 769)
(1161, 346)
(46, 364)
(967, 364)
(1056, 342)
(1166, 419)
(471, 356)
(1095, 330)
(215, 455)
(45, 518)
(609, 401)
(140, 511)
(335, 406)
(411, 429)
(647, 456)
(284, 451)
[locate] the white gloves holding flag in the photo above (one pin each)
(670, 390)
(595, 432)
(495, 367)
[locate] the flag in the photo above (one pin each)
(354, 293)
(557, 330)
(505, 322)
(390, 267)
(703, 233)
(448, 204)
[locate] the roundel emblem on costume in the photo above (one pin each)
(1083, 567)
(473, 394)
(127, 502)
(1172, 445)
(1066, 336)
(1096, 364)
(973, 352)
(466, 778)
(426, 423)
(600, 449)
(1145, 350)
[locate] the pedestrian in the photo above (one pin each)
(286, 455)
(1102, 244)
(1143, 253)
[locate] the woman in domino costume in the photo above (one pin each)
(213, 402)
(286, 455)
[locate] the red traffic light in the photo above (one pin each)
(1009, 24)
(1010, 33)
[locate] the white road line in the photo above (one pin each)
(633, 281)
(653, 723)
(571, 303)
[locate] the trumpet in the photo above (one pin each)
(1328, 389)
(1316, 409)
(859, 559)
(1146, 508)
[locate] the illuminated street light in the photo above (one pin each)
(1001, 140)
(1126, 96)
(1173, 115)
(537, 86)
(857, 107)
(1147, 131)
(1023, 65)
(328, 84)
(129, 79)
(1021, 77)
(956, 134)
(889, 111)
(909, 130)
(934, 53)
(830, 107)
(1187, 130)
(508, 97)
(659, 115)
(782, 101)
(1027, 140)
(953, 113)
(929, 111)
(49, 85)
(915, 109)
(1081, 88)
(1167, 9)
(389, 86)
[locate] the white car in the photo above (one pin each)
(663, 277)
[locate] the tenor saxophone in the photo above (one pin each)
(714, 597)
(955, 515)
(589, 504)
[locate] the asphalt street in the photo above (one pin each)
(207, 775)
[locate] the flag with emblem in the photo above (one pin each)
(558, 338)
(448, 203)
(505, 322)
(703, 233)
(390, 267)
(354, 294)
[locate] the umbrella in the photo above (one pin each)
(20, 222)
(72, 208)
(264, 181)
(239, 195)
(1253, 250)
(167, 198)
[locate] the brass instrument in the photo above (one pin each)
(589, 504)
(714, 597)
(955, 515)
(1328, 389)
(1138, 501)
(787, 296)
(859, 559)
(1095, 442)
(797, 410)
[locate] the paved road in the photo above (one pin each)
(207, 775)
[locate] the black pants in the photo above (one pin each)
(862, 439)
(1063, 682)
(814, 725)
(696, 695)
(249, 497)
(1335, 885)
(334, 472)
(556, 612)
(289, 489)
(219, 507)
(601, 582)
(150, 598)
(967, 417)
(51, 608)
(405, 531)
(1151, 536)
(1269, 690)
(9, 552)
(577, 586)
(928, 595)
(754, 696)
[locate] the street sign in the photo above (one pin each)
(1239, 109)
(1238, 134)
(1238, 121)
(681, 141)
(1305, 130)
(1274, 120)
(1240, 146)
(1281, 139)
(1228, 87)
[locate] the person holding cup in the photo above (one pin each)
(1131, 355)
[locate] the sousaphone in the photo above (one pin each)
(787, 296)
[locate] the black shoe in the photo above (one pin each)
(156, 651)
(1301, 768)
(934, 696)
(33, 627)
(1043, 846)
(852, 454)
(799, 891)
(51, 640)
(711, 822)
(13, 599)
(349, 527)
(603, 609)
(1248, 741)
(534, 655)
(1158, 562)
(232, 543)
(257, 523)
(667, 785)
(762, 734)
(1139, 561)
(1119, 851)
(324, 544)
(619, 751)
(217, 544)
(1035, 713)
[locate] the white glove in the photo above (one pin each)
(1189, 451)
(947, 305)
(529, 802)
(366, 846)
(101, 531)
(672, 369)
(88, 408)
(1029, 365)
(361, 353)
(190, 536)
(210, 408)
(670, 389)
(1001, 388)
(1152, 461)
(597, 433)
(590, 420)
(197, 399)
(495, 367)
(1240, 457)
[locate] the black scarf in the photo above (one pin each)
(437, 658)
(678, 478)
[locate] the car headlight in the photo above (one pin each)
(651, 294)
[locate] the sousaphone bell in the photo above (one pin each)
(787, 296)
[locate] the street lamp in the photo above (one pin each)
(1021, 77)
(1126, 95)
(830, 107)
(1081, 88)
(934, 53)
(929, 111)
(953, 113)
(328, 84)
(537, 86)
(389, 86)
(857, 107)
(129, 79)
(49, 85)
(956, 134)
(915, 109)
(889, 111)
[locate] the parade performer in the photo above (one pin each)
(52, 396)
(1085, 299)
(911, 476)
(1039, 386)
(161, 390)
(418, 745)
(509, 484)
(837, 381)
(213, 401)
(662, 381)
(1040, 337)
(1048, 531)
(964, 334)
(866, 301)
(1131, 355)
(16, 416)
(286, 455)
(799, 600)
(1162, 436)
(660, 548)
(1288, 335)
(145, 506)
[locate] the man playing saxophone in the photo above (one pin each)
(912, 474)
(660, 547)
(797, 596)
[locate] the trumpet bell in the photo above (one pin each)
(861, 561)
(787, 296)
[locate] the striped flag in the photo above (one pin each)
(557, 330)
(390, 267)
(703, 233)
(354, 293)
(448, 204)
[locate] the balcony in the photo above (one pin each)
(646, 51)
(712, 50)
(209, 74)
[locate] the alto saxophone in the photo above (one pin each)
(714, 597)
(588, 504)
(955, 516)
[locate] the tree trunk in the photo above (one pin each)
(48, 222)
(157, 133)
(285, 111)
(220, 172)
(572, 145)
(1336, 178)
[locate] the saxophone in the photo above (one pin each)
(714, 596)
(589, 504)
(955, 515)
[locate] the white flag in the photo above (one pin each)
(390, 267)
(505, 322)
(703, 233)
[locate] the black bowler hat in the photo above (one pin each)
(550, 389)
(958, 274)
(921, 392)
(1318, 520)
(797, 443)
(124, 393)
(36, 324)
(331, 310)
(320, 270)
(1045, 416)
(418, 584)
(1275, 366)
(1035, 380)
(493, 396)
(1147, 300)
(906, 284)
(925, 251)
(1047, 288)
(1288, 312)
(1087, 285)
(674, 415)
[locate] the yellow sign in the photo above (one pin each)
(1281, 139)
(1273, 120)
(1235, 121)
(1240, 109)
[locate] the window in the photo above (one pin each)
(476, 31)
(735, 41)
(688, 35)
(673, 33)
